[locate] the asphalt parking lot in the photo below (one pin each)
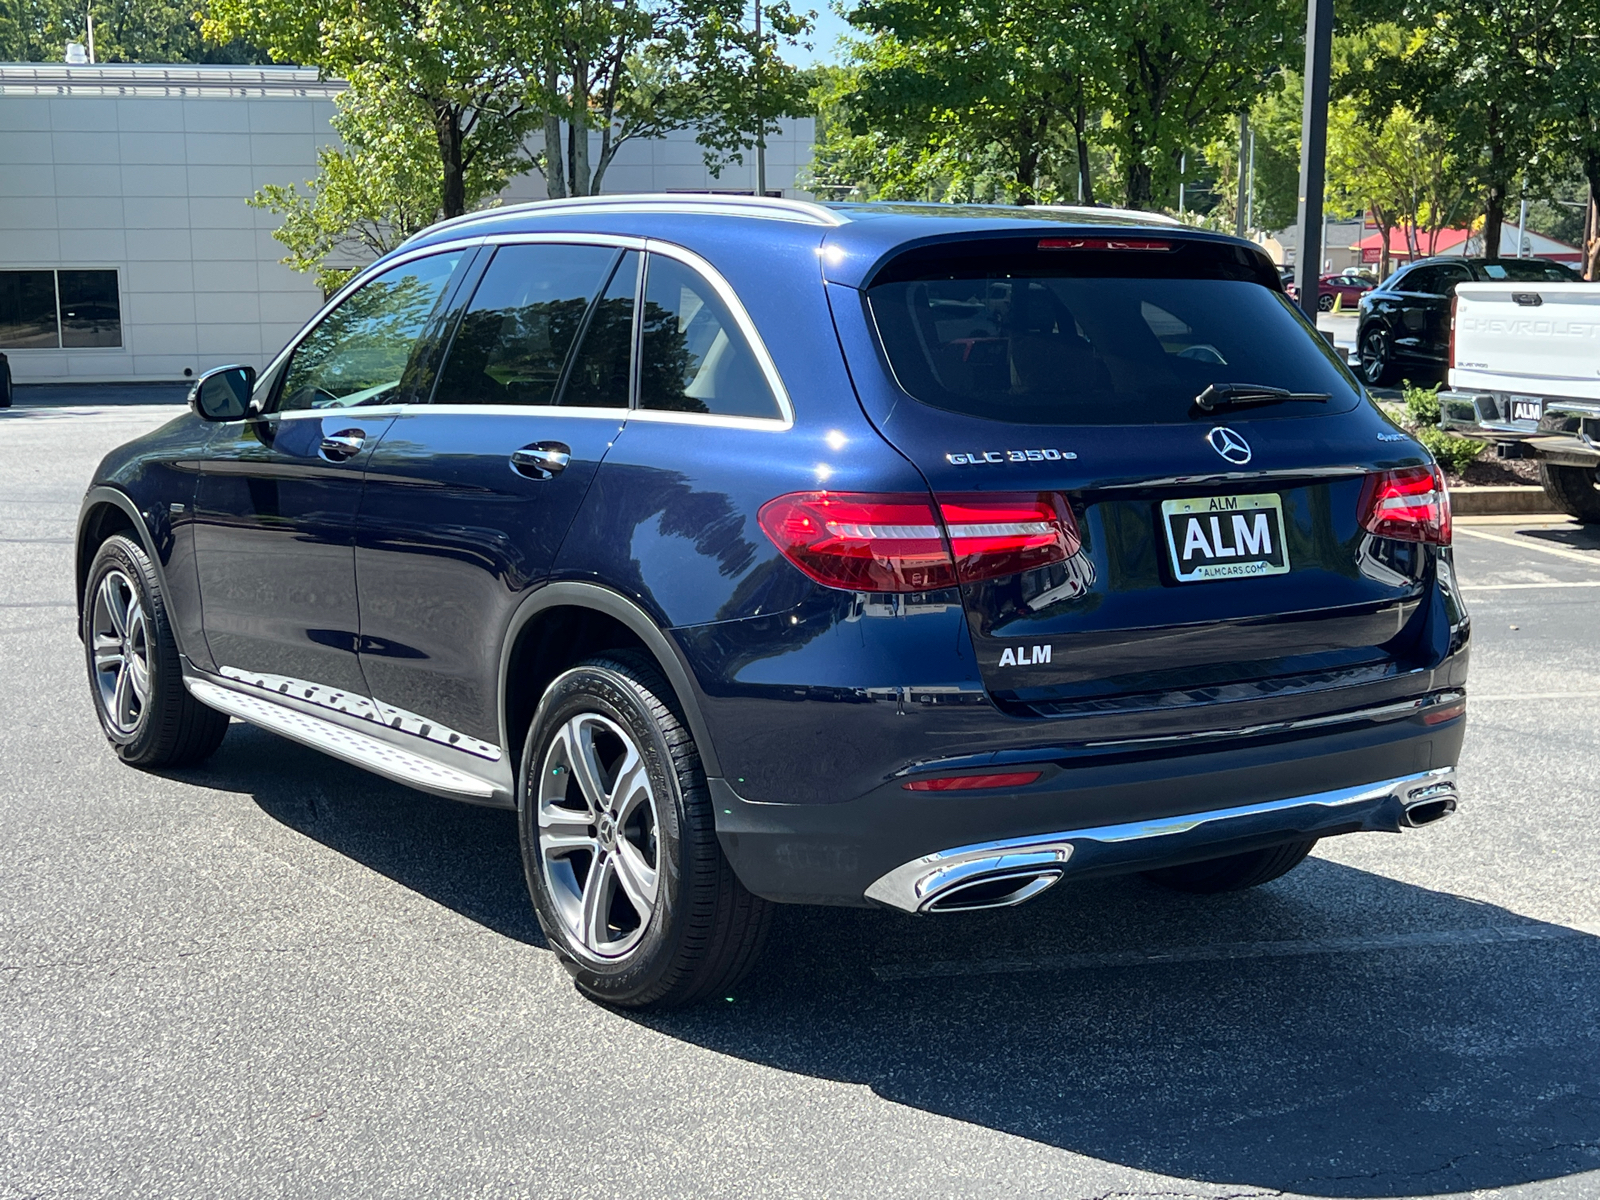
(275, 975)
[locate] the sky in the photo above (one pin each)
(824, 39)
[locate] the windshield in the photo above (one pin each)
(1529, 271)
(1098, 338)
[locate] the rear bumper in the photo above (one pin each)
(1567, 435)
(1134, 814)
(1011, 871)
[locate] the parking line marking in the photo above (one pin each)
(1485, 935)
(1537, 696)
(1516, 587)
(1559, 551)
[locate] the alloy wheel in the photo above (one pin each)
(120, 643)
(1373, 357)
(598, 835)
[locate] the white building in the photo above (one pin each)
(127, 251)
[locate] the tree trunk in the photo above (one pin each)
(453, 185)
(555, 177)
(1079, 122)
(1494, 208)
(1591, 223)
(578, 126)
(1028, 162)
(1140, 181)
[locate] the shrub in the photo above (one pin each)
(1453, 453)
(1422, 404)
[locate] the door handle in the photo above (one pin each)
(342, 445)
(542, 460)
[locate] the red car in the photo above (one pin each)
(1349, 288)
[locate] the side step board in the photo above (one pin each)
(352, 746)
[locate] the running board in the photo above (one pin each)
(350, 745)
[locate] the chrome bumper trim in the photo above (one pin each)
(917, 885)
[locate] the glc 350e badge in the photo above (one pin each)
(983, 458)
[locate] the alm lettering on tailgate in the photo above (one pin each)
(1025, 657)
(1249, 537)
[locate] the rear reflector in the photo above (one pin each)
(969, 783)
(1411, 505)
(894, 542)
(1440, 713)
(1102, 243)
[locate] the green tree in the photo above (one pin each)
(125, 31)
(371, 193)
(1275, 125)
(468, 68)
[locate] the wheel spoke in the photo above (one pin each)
(583, 765)
(138, 672)
(632, 786)
(637, 877)
(555, 797)
(126, 716)
(562, 831)
(107, 653)
(595, 928)
(116, 605)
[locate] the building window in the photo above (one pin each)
(46, 310)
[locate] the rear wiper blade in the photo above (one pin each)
(1223, 395)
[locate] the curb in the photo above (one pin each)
(1470, 501)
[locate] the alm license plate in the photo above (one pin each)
(1226, 537)
(1526, 408)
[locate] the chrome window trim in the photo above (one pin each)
(768, 208)
(300, 414)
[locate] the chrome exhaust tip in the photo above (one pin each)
(1425, 812)
(992, 891)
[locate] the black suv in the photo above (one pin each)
(758, 551)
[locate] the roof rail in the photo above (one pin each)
(771, 208)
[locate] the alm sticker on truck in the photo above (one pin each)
(1226, 537)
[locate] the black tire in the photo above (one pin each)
(1325, 302)
(1574, 490)
(1234, 873)
(166, 726)
(704, 931)
(1374, 357)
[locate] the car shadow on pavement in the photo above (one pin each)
(462, 856)
(1335, 1033)
(1454, 1057)
(1575, 537)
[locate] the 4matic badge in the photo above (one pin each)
(982, 458)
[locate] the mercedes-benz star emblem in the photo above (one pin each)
(1230, 445)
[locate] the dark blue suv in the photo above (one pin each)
(756, 551)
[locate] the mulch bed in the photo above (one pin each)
(1489, 471)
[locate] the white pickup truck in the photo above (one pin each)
(1525, 376)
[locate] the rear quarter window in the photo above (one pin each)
(1091, 337)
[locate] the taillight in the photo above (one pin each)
(1102, 243)
(1410, 504)
(876, 542)
(1452, 332)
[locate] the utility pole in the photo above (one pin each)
(1239, 225)
(1250, 199)
(761, 120)
(1183, 169)
(1522, 211)
(90, 23)
(1313, 153)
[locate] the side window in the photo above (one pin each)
(524, 317)
(599, 376)
(692, 355)
(358, 353)
(1449, 277)
(1423, 281)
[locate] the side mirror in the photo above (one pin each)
(223, 393)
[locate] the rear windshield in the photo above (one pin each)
(1528, 271)
(1097, 337)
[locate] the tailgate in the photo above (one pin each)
(1206, 556)
(1536, 337)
